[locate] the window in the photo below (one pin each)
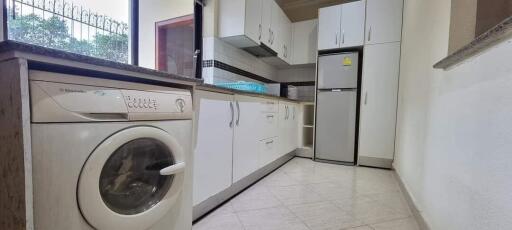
(96, 28)
(472, 18)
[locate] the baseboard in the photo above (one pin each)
(215, 201)
(414, 209)
(375, 162)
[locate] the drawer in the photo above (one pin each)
(269, 125)
(268, 151)
(269, 106)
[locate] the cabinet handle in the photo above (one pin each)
(336, 38)
(365, 97)
(343, 38)
(287, 112)
(270, 116)
(370, 34)
(238, 111)
(272, 38)
(259, 38)
(269, 142)
(269, 36)
(232, 114)
(293, 113)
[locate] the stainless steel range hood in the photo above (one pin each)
(261, 51)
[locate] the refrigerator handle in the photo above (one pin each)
(365, 97)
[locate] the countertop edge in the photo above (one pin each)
(217, 89)
(488, 39)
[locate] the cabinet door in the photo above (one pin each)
(294, 127)
(283, 127)
(304, 42)
(253, 26)
(246, 136)
(329, 20)
(285, 35)
(275, 25)
(266, 22)
(379, 100)
(213, 152)
(352, 24)
(383, 21)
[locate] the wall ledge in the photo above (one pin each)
(488, 39)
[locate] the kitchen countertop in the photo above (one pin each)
(214, 88)
(43, 58)
(38, 55)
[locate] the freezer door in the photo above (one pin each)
(338, 71)
(336, 125)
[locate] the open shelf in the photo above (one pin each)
(309, 115)
(307, 137)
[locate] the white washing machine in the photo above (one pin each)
(109, 154)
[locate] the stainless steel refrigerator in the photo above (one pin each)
(337, 107)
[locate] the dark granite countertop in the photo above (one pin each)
(24, 48)
(48, 56)
(213, 88)
(493, 36)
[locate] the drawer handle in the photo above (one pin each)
(269, 142)
(270, 116)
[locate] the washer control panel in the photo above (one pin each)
(152, 102)
(58, 102)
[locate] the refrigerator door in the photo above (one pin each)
(336, 125)
(338, 71)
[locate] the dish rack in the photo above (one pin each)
(245, 86)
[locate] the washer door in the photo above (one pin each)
(132, 179)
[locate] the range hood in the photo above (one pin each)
(261, 51)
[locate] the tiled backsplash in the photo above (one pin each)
(225, 54)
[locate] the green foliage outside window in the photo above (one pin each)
(54, 33)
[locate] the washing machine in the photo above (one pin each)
(108, 154)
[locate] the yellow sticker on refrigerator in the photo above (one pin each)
(347, 61)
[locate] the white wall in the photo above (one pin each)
(454, 134)
(151, 11)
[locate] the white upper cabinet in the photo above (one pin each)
(304, 42)
(352, 24)
(266, 22)
(240, 22)
(249, 23)
(285, 37)
(329, 28)
(383, 21)
(253, 26)
(341, 26)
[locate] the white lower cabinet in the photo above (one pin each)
(236, 136)
(247, 136)
(288, 127)
(213, 152)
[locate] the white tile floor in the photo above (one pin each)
(309, 195)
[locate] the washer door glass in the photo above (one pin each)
(130, 181)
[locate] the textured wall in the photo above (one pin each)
(454, 129)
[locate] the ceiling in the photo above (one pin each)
(300, 10)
